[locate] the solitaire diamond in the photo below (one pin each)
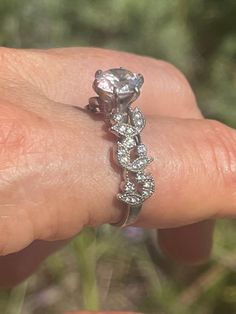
(119, 81)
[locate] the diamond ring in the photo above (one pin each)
(116, 90)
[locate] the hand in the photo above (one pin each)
(56, 175)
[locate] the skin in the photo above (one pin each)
(51, 147)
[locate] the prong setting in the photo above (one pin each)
(98, 73)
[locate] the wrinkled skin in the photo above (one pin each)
(56, 175)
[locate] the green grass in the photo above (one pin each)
(105, 269)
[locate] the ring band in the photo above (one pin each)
(117, 89)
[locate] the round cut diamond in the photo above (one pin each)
(119, 80)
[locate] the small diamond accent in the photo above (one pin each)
(117, 117)
(124, 129)
(148, 184)
(148, 187)
(139, 164)
(129, 131)
(124, 160)
(130, 199)
(121, 149)
(141, 149)
(138, 119)
(129, 187)
(129, 142)
(123, 155)
(145, 194)
(140, 176)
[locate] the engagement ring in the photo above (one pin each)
(117, 89)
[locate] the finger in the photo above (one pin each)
(197, 178)
(194, 170)
(66, 76)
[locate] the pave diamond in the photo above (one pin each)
(124, 129)
(118, 80)
(141, 149)
(148, 184)
(148, 187)
(138, 118)
(131, 199)
(123, 156)
(117, 117)
(129, 187)
(141, 177)
(129, 142)
(139, 164)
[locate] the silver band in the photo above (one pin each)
(117, 89)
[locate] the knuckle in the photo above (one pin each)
(175, 82)
(222, 142)
(175, 77)
(171, 74)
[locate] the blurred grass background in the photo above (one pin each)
(124, 270)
